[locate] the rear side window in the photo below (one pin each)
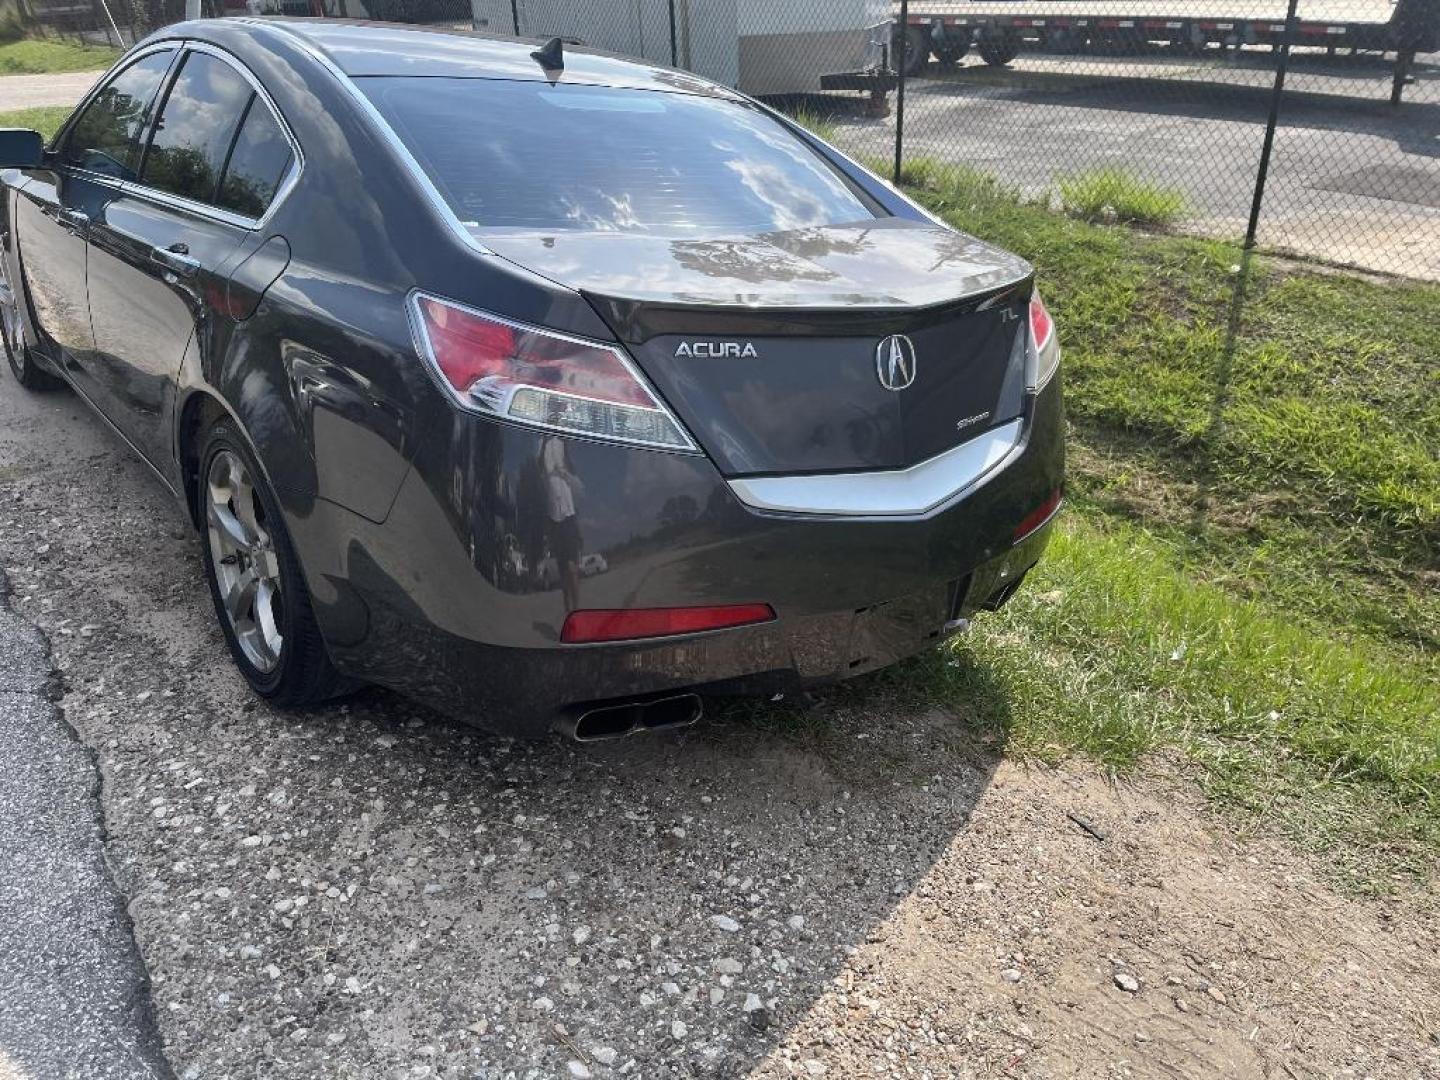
(529, 155)
(106, 137)
(257, 164)
(196, 127)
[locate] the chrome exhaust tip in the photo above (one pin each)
(606, 723)
(671, 713)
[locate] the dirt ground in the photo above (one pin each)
(368, 890)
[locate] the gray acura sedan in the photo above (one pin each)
(547, 387)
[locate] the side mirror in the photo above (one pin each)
(21, 148)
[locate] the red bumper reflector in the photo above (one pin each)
(1039, 516)
(627, 624)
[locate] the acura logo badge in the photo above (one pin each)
(895, 362)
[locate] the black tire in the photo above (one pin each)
(912, 50)
(301, 673)
(17, 354)
(998, 50)
(951, 55)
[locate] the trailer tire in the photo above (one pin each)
(912, 49)
(998, 48)
(952, 54)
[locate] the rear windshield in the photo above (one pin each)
(529, 155)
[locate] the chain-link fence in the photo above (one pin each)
(101, 22)
(1158, 112)
(1154, 112)
(1149, 111)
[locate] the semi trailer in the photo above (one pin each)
(999, 30)
(762, 47)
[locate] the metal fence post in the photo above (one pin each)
(515, 15)
(674, 46)
(1281, 65)
(902, 40)
(1403, 59)
(120, 41)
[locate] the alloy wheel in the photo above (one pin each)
(9, 319)
(247, 569)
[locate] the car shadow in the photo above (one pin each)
(681, 899)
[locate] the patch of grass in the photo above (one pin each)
(1250, 572)
(1115, 651)
(32, 56)
(1263, 544)
(813, 121)
(1115, 194)
(1304, 468)
(46, 120)
(974, 188)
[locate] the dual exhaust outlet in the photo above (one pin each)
(607, 722)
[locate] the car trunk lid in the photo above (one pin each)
(775, 350)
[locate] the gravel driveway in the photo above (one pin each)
(367, 890)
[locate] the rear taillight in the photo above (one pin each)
(1044, 356)
(1041, 325)
(583, 627)
(1039, 516)
(541, 378)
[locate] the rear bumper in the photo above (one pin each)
(457, 599)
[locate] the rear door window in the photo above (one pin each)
(106, 138)
(197, 125)
(258, 162)
(528, 155)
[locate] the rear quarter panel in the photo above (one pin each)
(324, 375)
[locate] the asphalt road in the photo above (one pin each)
(73, 994)
(1352, 180)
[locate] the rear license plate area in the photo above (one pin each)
(894, 629)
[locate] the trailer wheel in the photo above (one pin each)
(952, 53)
(998, 48)
(912, 48)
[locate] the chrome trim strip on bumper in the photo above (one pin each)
(901, 493)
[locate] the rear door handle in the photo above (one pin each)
(176, 259)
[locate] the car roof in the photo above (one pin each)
(362, 49)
